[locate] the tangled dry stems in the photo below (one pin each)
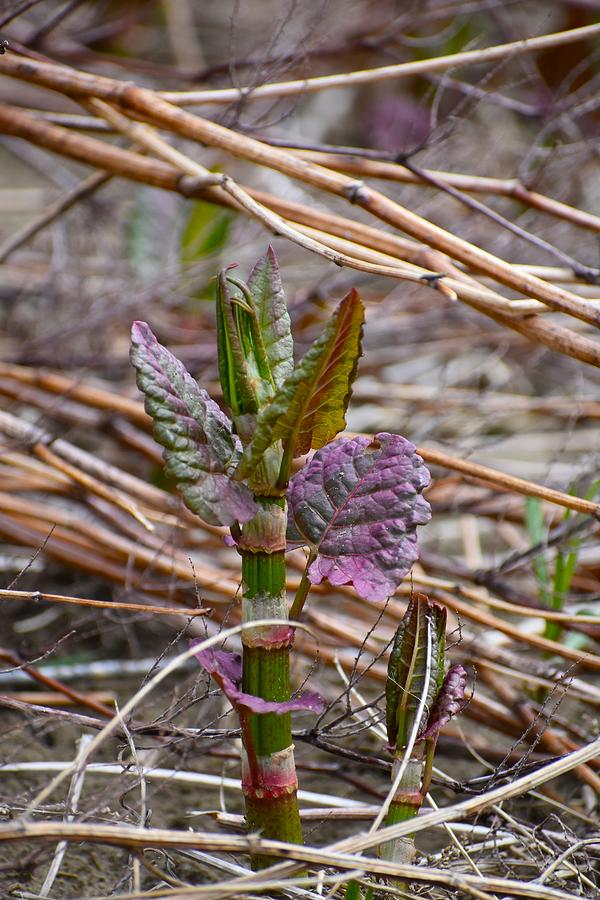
(139, 538)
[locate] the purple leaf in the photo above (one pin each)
(358, 503)
(226, 669)
(201, 451)
(448, 702)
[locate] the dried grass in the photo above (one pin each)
(481, 347)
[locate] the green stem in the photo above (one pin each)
(285, 469)
(303, 588)
(248, 742)
(430, 746)
(269, 775)
(404, 806)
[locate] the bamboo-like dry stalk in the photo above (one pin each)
(68, 505)
(131, 165)
(354, 161)
(470, 184)
(141, 101)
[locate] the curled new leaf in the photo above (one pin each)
(309, 408)
(447, 703)
(264, 283)
(226, 670)
(254, 340)
(357, 504)
(240, 377)
(415, 669)
(200, 450)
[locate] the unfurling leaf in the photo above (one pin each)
(264, 284)
(255, 353)
(254, 339)
(200, 450)
(309, 408)
(357, 504)
(240, 377)
(415, 669)
(448, 702)
(226, 670)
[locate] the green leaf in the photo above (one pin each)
(265, 286)
(309, 408)
(564, 568)
(352, 891)
(536, 528)
(205, 232)
(566, 561)
(254, 350)
(237, 366)
(416, 667)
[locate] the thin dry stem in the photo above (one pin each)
(384, 73)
